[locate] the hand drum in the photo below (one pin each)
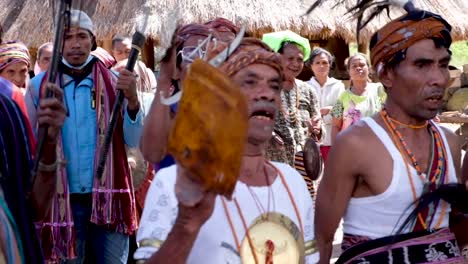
(313, 162)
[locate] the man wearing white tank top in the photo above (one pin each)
(388, 161)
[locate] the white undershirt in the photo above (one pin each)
(215, 242)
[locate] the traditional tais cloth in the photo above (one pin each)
(222, 24)
(10, 90)
(401, 33)
(252, 51)
(146, 80)
(11, 249)
(298, 106)
(215, 242)
(113, 196)
(418, 247)
(15, 181)
(13, 52)
(185, 32)
(104, 56)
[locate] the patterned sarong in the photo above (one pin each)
(416, 247)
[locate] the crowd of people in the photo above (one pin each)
(394, 177)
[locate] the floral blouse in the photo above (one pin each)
(351, 107)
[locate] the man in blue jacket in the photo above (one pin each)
(90, 213)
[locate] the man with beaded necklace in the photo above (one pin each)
(402, 155)
(216, 230)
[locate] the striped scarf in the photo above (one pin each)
(13, 52)
(15, 178)
(11, 248)
(113, 196)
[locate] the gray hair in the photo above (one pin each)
(352, 57)
(41, 48)
(317, 52)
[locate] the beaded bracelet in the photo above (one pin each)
(50, 167)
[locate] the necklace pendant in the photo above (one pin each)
(269, 249)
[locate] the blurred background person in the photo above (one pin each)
(44, 55)
(328, 90)
(14, 63)
(362, 99)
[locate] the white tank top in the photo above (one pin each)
(382, 215)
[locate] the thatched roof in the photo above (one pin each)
(454, 11)
(31, 20)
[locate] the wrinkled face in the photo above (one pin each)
(321, 66)
(16, 73)
(418, 83)
(44, 60)
(261, 85)
(77, 46)
(121, 50)
(293, 61)
(358, 69)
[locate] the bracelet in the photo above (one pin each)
(50, 167)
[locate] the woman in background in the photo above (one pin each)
(328, 91)
(362, 99)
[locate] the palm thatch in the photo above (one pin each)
(454, 11)
(31, 20)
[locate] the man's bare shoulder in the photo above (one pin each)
(449, 134)
(355, 136)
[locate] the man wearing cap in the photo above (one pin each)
(90, 213)
(388, 161)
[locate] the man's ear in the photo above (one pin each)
(386, 77)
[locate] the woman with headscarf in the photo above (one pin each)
(362, 99)
(299, 117)
(328, 90)
(14, 63)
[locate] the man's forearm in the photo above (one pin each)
(156, 131)
(325, 250)
(44, 187)
(177, 247)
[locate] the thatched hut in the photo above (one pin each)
(31, 20)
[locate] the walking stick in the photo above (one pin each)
(62, 18)
(138, 40)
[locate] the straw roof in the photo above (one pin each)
(31, 20)
(454, 11)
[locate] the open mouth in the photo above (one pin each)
(263, 115)
(435, 98)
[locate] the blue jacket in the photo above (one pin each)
(79, 130)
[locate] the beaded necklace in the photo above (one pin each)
(290, 114)
(430, 182)
(244, 222)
